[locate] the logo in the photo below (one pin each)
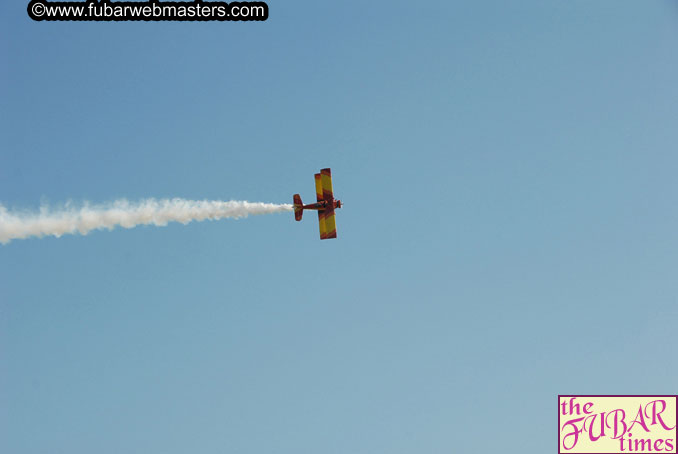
(617, 424)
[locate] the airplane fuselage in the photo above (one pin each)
(322, 205)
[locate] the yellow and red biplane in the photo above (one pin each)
(325, 205)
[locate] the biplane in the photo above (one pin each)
(325, 205)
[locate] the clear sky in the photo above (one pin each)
(509, 231)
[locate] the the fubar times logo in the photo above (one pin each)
(617, 424)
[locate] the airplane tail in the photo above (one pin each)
(298, 207)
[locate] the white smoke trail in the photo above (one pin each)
(82, 220)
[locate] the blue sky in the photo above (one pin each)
(509, 234)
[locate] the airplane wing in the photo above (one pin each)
(321, 213)
(319, 187)
(328, 194)
(326, 179)
(330, 225)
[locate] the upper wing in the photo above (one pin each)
(330, 224)
(321, 213)
(321, 224)
(326, 177)
(323, 191)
